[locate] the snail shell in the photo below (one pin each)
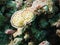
(21, 18)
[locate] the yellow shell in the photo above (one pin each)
(21, 18)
